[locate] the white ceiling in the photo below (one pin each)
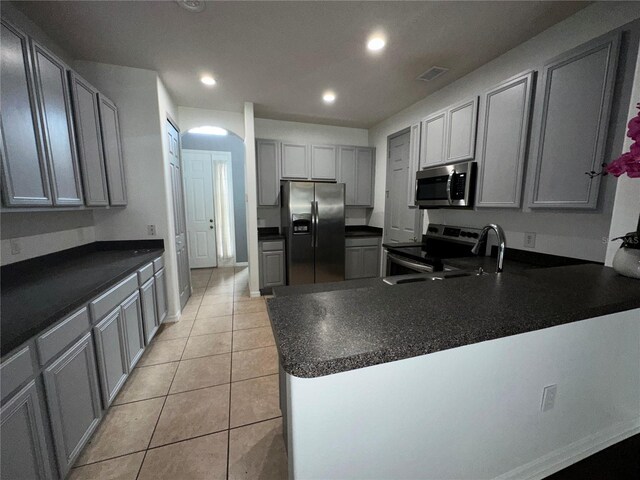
(283, 55)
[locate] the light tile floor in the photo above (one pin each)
(203, 400)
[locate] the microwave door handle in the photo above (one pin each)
(449, 182)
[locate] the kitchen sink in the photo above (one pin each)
(425, 277)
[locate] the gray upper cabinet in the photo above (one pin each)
(365, 168)
(24, 451)
(268, 172)
(572, 129)
(73, 401)
(323, 162)
(433, 139)
(25, 178)
(112, 151)
(504, 133)
(347, 173)
(161, 296)
(134, 335)
(52, 91)
(149, 315)
(414, 163)
(461, 130)
(84, 99)
(112, 357)
(294, 161)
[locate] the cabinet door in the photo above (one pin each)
(134, 334)
(352, 263)
(414, 163)
(323, 162)
(273, 268)
(161, 296)
(461, 131)
(84, 99)
(52, 90)
(370, 262)
(149, 315)
(433, 139)
(294, 161)
(365, 165)
(572, 132)
(112, 147)
(347, 173)
(24, 451)
(112, 355)
(504, 136)
(25, 179)
(73, 400)
(268, 169)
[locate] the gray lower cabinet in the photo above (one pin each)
(161, 296)
(356, 169)
(574, 107)
(268, 172)
(89, 141)
(52, 91)
(111, 144)
(112, 356)
(134, 334)
(272, 263)
(73, 400)
(25, 177)
(149, 315)
(504, 135)
(24, 449)
(362, 257)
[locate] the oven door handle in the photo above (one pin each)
(449, 183)
(409, 264)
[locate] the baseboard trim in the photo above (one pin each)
(574, 452)
(242, 264)
(172, 318)
(255, 293)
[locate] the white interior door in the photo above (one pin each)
(201, 233)
(402, 224)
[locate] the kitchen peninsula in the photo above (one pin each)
(444, 379)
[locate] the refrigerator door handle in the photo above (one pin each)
(313, 224)
(316, 229)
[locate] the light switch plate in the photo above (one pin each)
(549, 397)
(151, 230)
(529, 239)
(15, 246)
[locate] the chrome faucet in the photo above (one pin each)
(502, 243)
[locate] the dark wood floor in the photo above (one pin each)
(618, 462)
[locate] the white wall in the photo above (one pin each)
(473, 412)
(136, 92)
(626, 208)
(564, 233)
(42, 244)
(251, 192)
(198, 117)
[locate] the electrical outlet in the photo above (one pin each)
(529, 239)
(15, 246)
(549, 397)
(151, 230)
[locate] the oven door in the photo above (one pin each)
(446, 186)
(397, 265)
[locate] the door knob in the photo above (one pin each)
(211, 227)
(211, 220)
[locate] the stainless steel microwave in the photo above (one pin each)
(446, 186)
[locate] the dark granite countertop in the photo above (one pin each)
(38, 292)
(362, 231)
(289, 290)
(269, 233)
(330, 332)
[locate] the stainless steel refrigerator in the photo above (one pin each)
(313, 225)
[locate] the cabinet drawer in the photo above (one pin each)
(16, 370)
(362, 242)
(158, 264)
(109, 300)
(145, 273)
(54, 340)
(273, 245)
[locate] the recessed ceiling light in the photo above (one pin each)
(329, 97)
(376, 43)
(208, 130)
(208, 80)
(192, 5)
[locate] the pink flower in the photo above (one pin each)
(628, 162)
(635, 150)
(617, 167)
(634, 128)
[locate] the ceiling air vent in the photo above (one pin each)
(432, 74)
